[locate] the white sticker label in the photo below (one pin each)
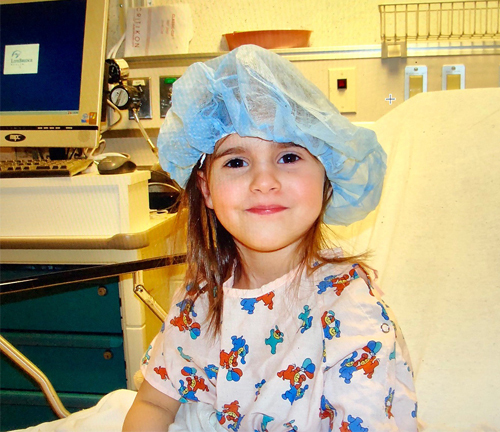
(21, 59)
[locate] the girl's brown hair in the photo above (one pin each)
(212, 254)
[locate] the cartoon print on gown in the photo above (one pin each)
(278, 350)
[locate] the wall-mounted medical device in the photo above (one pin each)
(122, 95)
(128, 94)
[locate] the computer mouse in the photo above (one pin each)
(115, 164)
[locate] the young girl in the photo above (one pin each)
(272, 332)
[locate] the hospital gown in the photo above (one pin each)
(321, 355)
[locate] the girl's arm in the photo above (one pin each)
(152, 411)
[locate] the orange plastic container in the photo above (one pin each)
(270, 39)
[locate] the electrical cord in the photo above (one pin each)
(114, 50)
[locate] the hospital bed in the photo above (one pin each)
(435, 239)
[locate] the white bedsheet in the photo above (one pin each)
(106, 416)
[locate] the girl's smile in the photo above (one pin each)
(264, 210)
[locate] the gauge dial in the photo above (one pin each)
(120, 97)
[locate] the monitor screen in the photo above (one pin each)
(51, 72)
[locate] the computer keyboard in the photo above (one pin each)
(43, 168)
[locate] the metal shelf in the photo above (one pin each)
(436, 21)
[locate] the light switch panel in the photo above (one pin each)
(415, 80)
(342, 89)
(453, 77)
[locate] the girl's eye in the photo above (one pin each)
(235, 163)
(290, 158)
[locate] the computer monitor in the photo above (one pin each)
(52, 60)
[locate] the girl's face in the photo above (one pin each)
(267, 195)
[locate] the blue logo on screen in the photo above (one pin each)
(16, 54)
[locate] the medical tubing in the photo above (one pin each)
(48, 390)
(143, 294)
(143, 131)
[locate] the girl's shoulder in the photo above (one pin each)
(181, 302)
(334, 272)
(341, 273)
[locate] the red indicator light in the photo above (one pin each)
(342, 83)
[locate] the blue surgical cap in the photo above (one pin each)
(254, 92)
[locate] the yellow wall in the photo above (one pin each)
(333, 22)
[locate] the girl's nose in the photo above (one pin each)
(265, 179)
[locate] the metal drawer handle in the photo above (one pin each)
(102, 291)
